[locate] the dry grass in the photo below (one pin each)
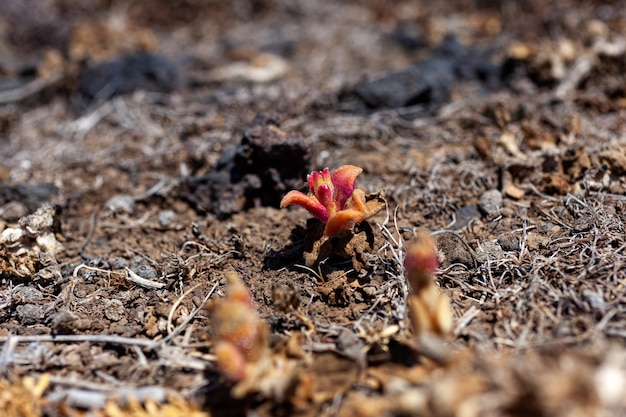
(537, 285)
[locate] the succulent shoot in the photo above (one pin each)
(429, 309)
(333, 200)
(240, 337)
(421, 262)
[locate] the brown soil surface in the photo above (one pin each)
(159, 138)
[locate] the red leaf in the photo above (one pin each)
(310, 203)
(344, 179)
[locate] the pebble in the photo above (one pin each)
(139, 267)
(114, 310)
(13, 211)
(30, 314)
(514, 192)
(491, 202)
(166, 217)
(509, 242)
(121, 203)
(23, 294)
(507, 212)
(489, 250)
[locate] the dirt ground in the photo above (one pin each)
(146, 146)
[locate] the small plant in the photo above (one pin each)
(240, 338)
(333, 200)
(242, 349)
(429, 309)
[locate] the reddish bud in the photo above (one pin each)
(333, 200)
(421, 262)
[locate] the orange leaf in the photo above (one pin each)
(343, 180)
(310, 203)
(230, 361)
(342, 220)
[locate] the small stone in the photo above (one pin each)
(464, 216)
(483, 147)
(63, 322)
(491, 202)
(30, 314)
(118, 263)
(535, 241)
(285, 298)
(509, 242)
(114, 310)
(509, 142)
(139, 266)
(121, 203)
(507, 212)
(13, 211)
(166, 217)
(489, 250)
(514, 192)
(151, 326)
(451, 250)
(24, 294)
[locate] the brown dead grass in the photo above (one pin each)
(536, 279)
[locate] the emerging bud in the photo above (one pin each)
(333, 200)
(239, 336)
(429, 309)
(421, 262)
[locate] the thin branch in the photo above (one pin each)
(89, 338)
(170, 316)
(28, 89)
(191, 316)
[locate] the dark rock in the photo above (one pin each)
(409, 36)
(141, 70)
(118, 263)
(451, 250)
(430, 81)
(509, 242)
(31, 195)
(63, 322)
(139, 266)
(263, 168)
(465, 215)
(13, 211)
